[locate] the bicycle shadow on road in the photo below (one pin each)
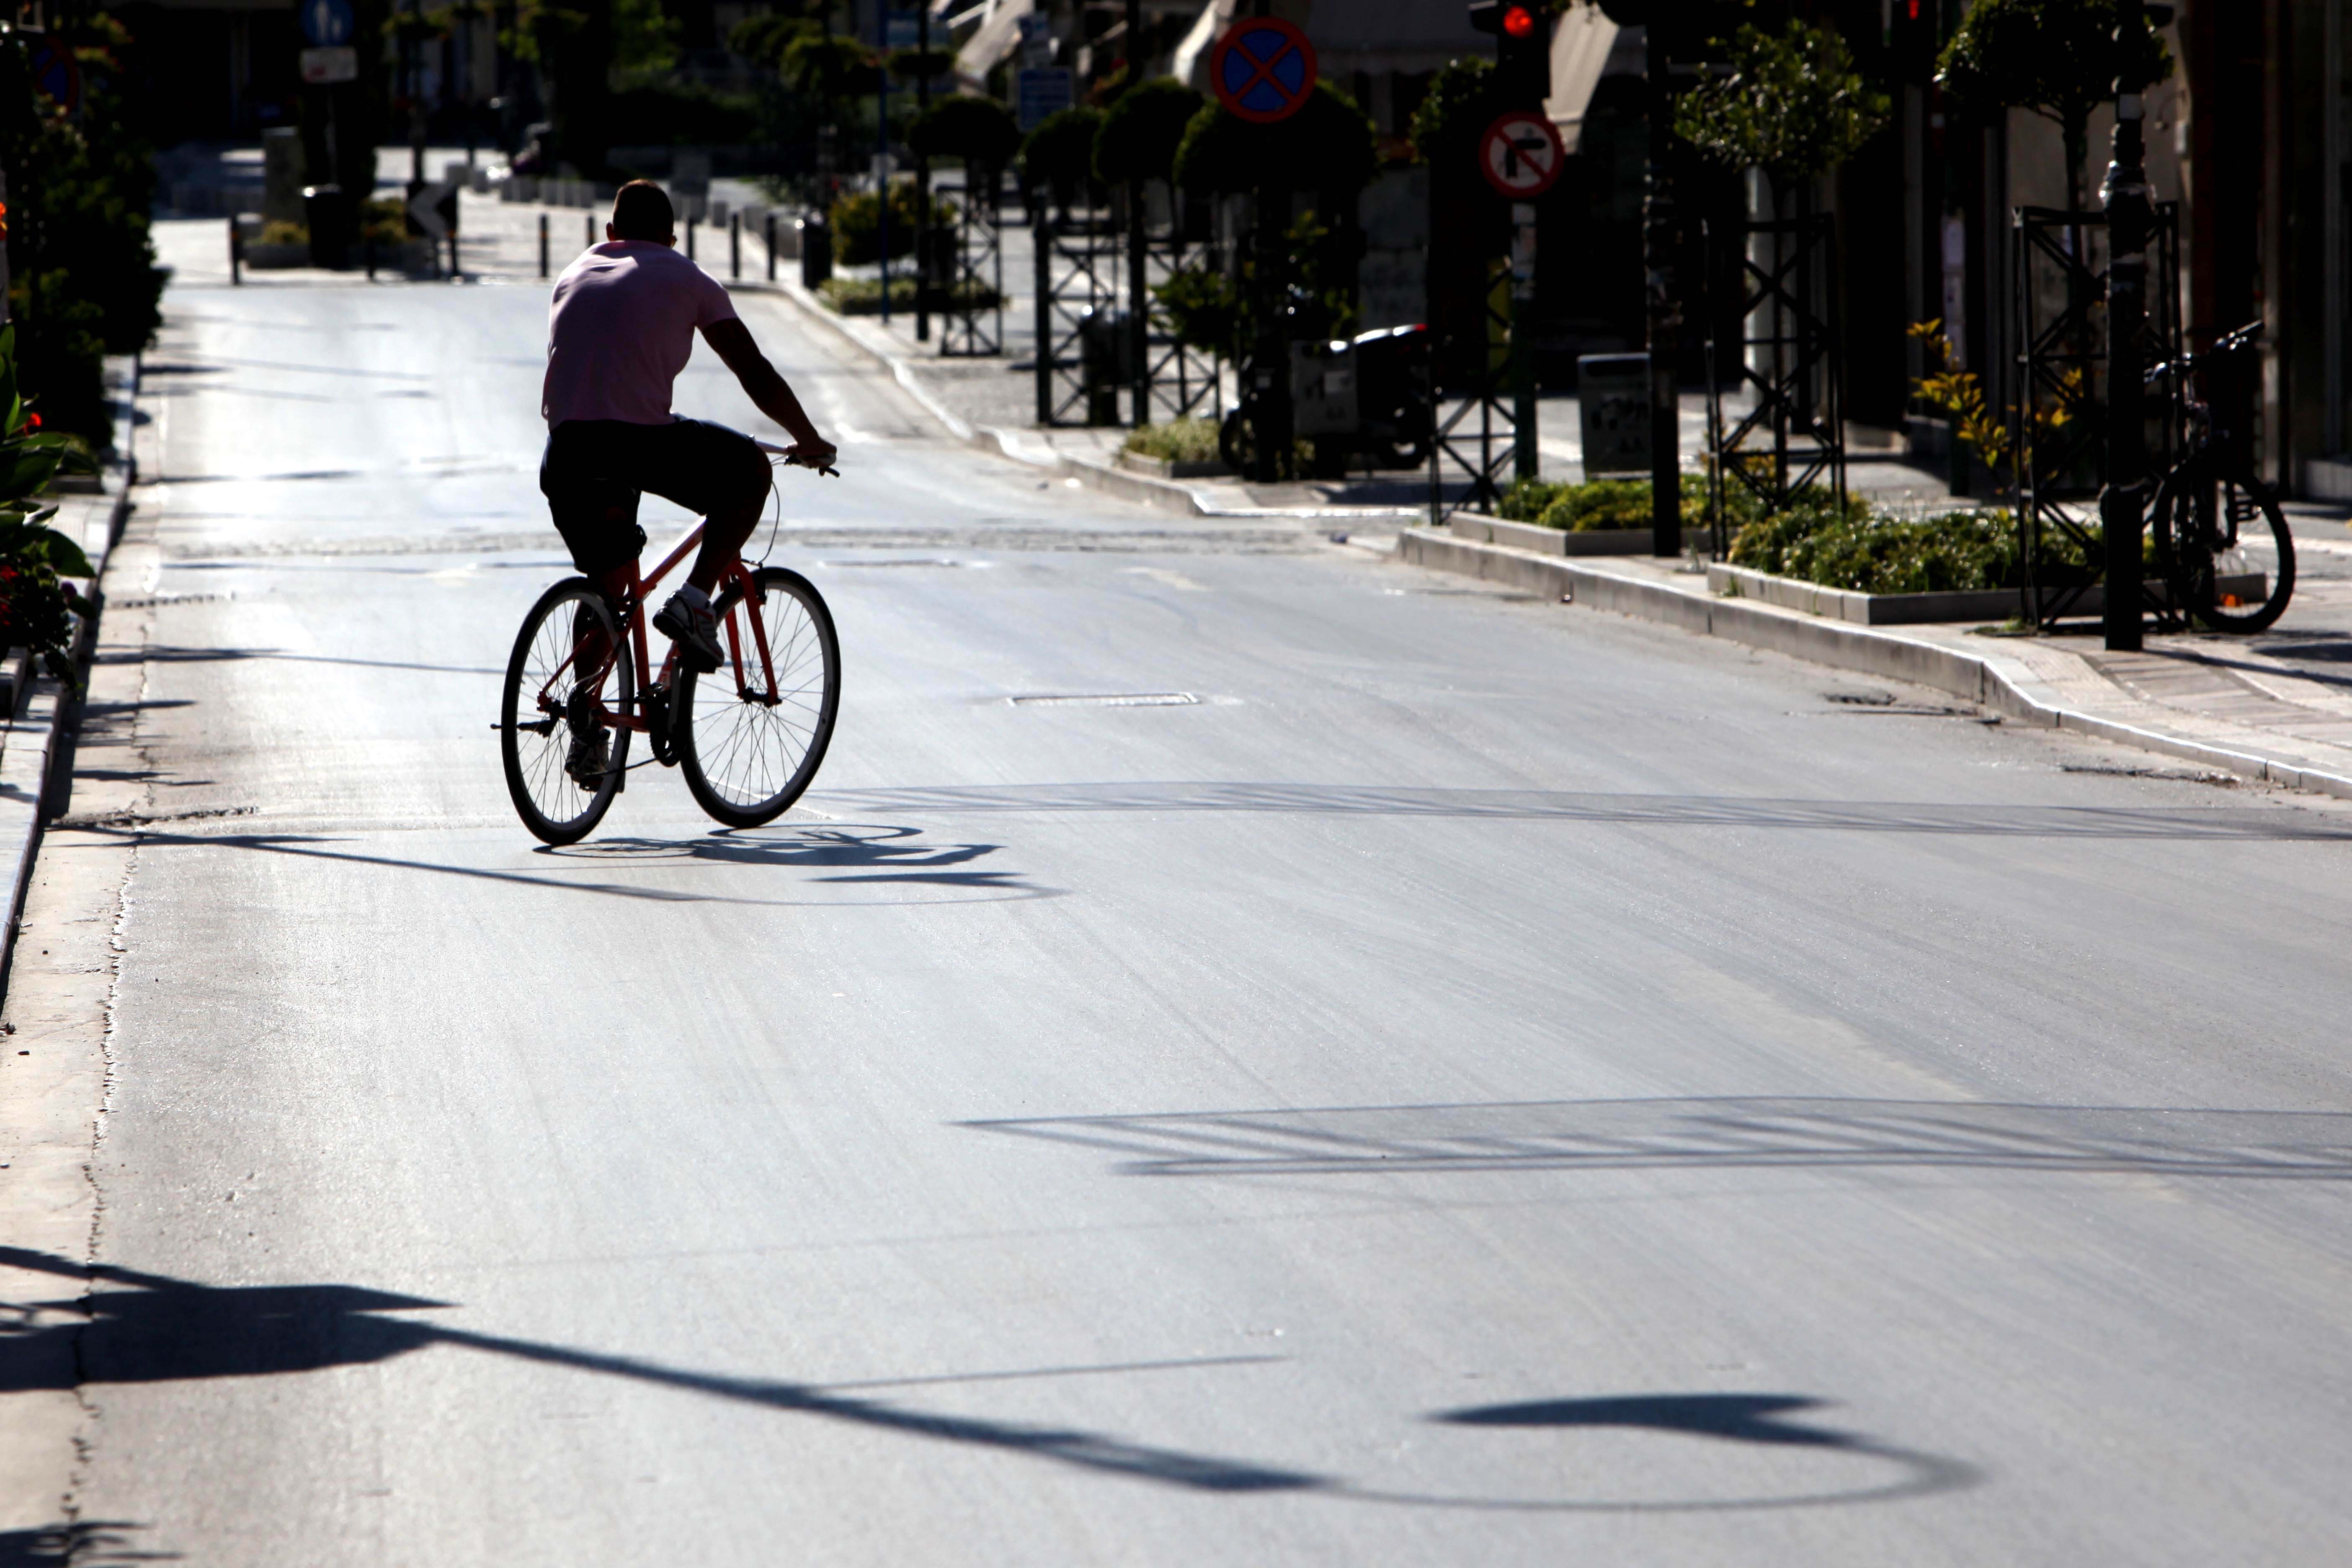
(870, 852)
(145, 1328)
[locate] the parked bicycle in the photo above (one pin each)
(2210, 506)
(748, 737)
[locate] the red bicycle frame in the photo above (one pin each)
(632, 631)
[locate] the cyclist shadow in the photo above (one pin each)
(859, 852)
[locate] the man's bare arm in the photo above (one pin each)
(732, 342)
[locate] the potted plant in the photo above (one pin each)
(37, 603)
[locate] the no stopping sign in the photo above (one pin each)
(1521, 154)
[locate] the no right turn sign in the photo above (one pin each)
(1521, 154)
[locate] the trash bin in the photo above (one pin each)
(328, 219)
(1612, 395)
(1105, 362)
(816, 251)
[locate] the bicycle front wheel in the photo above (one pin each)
(752, 732)
(2225, 551)
(568, 662)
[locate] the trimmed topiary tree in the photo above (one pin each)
(1141, 132)
(979, 130)
(2061, 58)
(1327, 145)
(1059, 154)
(1793, 105)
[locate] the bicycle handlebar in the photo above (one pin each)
(791, 461)
(2227, 344)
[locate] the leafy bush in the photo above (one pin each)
(278, 231)
(1864, 553)
(1460, 102)
(1598, 504)
(863, 296)
(35, 604)
(83, 278)
(1177, 441)
(858, 223)
(762, 39)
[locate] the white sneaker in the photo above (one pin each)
(687, 620)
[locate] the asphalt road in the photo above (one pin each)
(1485, 1082)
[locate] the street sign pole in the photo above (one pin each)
(1524, 457)
(1263, 70)
(923, 181)
(1521, 155)
(2129, 216)
(1666, 314)
(1139, 309)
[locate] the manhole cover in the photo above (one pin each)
(1108, 699)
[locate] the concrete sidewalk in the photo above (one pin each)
(2268, 707)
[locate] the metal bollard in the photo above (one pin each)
(771, 248)
(542, 245)
(689, 237)
(588, 230)
(734, 244)
(235, 252)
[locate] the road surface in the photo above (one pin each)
(1481, 1081)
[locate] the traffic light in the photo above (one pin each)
(1522, 49)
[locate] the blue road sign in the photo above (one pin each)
(326, 23)
(1263, 69)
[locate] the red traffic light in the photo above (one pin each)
(1518, 22)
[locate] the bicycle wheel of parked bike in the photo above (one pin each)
(753, 732)
(547, 688)
(2223, 546)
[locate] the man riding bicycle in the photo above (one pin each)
(619, 329)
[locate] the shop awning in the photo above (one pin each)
(1581, 45)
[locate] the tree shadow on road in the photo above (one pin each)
(143, 1327)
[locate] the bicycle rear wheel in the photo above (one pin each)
(544, 682)
(748, 746)
(2213, 532)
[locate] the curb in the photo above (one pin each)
(2000, 685)
(36, 742)
(1164, 495)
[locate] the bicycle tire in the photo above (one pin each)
(533, 739)
(2200, 518)
(746, 754)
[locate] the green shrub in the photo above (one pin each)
(278, 231)
(857, 224)
(863, 296)
(1177, 441)
(1867, 552)
(1599, 504)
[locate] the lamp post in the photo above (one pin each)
(2129, 215)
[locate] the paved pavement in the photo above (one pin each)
(1480, 1083)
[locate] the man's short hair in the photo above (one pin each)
(641, 210)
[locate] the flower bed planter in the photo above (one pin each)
(1172, 467)
(1915, 609)
(261, 257)
(1550, 540)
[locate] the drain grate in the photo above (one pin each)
(1108, 699)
